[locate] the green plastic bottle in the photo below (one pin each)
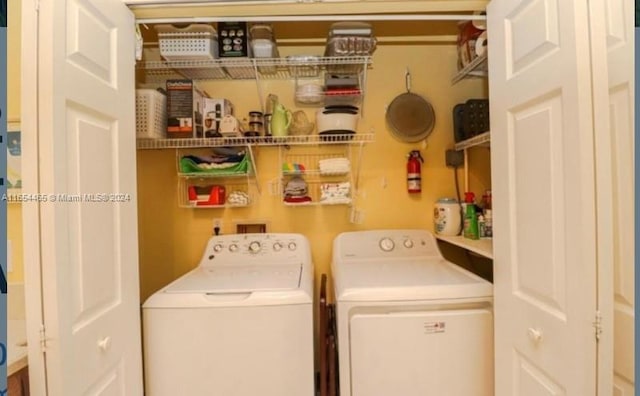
(470, 218)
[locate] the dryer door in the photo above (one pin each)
(422, 353)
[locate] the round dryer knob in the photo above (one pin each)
(387, 244)
(254, 247)
(408, 243)
(217, 248)
(233, 247)
(292, 246)
(277, 246)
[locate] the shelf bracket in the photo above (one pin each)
(254, 168)
(363, 85)
(466, 169)
(258, 85)
(356, 182)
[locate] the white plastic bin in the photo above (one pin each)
(151, 114)
(195, 42)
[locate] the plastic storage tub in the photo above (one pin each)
(194, 42)
(151, 114)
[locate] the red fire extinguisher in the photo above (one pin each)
(414, 175)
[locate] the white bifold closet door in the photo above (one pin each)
(83, 249)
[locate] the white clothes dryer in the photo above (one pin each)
(240, 324)
(409, 322)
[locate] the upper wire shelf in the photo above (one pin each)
(250, 68)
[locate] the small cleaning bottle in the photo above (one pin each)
(470, 218)
(488, 219)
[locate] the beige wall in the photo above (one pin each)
(172, 238)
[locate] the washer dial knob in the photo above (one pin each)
(387, 244)
(292, 246)
(233, 248)
(254, 247)
(408, 243)
(277, 246)
(217, 248)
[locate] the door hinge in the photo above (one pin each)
(597, 324)
(43, 338)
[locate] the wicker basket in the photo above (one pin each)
(151, 114)
(195, 42)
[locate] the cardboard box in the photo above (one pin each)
(233, 40)
(185, 109)
(214, 110)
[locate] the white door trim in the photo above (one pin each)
(30, 209)
(602, 143)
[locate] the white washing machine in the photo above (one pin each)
(409, 322)
(240, 324)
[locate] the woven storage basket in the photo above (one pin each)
(195, 42)
(151, 114)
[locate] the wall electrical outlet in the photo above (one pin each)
(217, 224)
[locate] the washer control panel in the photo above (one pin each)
(385, 244)
(255, 248)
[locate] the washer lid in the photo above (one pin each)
(404, 280)
(239, 279)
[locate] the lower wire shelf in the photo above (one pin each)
(483, 247)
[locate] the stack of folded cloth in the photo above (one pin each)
(239, 198)
(335, 193)
(296, 191)
(215, 161)
(334, 166)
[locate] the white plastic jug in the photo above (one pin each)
(446, 217)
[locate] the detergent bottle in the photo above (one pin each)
(470, 229)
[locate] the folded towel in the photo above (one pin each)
(335, 192)
(334, 166)
(296, 187)
(199, 159)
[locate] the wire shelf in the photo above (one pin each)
(248, 68)
(146, 144)
(477, 68)
(483, 139)
(216, 175)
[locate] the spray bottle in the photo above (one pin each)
(470, 218)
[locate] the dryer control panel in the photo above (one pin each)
(244, 249)
(377, 244)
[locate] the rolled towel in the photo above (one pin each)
(238, 198)
(292, 167)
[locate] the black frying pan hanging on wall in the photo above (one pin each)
(409, 116)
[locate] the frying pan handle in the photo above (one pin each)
(407, 78)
